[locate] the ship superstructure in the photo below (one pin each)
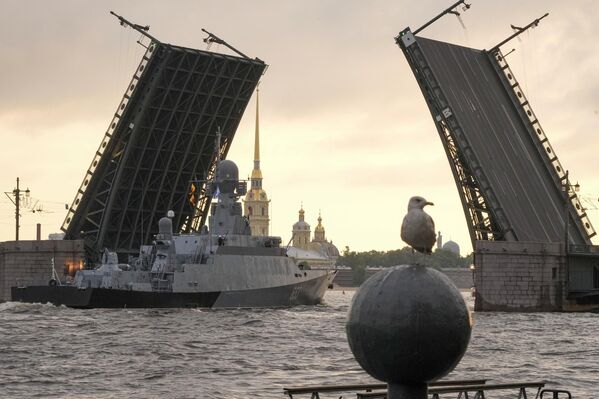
(221, 266)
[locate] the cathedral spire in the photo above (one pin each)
(257, 139)
(257, 173)
(256, 201)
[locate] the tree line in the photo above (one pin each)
(359, 261)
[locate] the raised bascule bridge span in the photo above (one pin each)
(516, 195)
(160, 145)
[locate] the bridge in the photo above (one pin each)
(161, 139)
(511, 183)
(512, 186)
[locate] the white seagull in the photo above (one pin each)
(418, 228)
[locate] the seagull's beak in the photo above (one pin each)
(429, 203)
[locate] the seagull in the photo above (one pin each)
(418, 228)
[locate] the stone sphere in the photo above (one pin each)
(408, 324)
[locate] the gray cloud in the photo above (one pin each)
(342, 113)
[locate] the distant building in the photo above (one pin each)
(452, 246)
(56, 236)
(256, 201)
(317, 253)
(321, 245)
(301, 232)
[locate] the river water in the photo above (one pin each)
(56, 352)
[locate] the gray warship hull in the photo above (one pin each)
(309, 292)
(221, 266)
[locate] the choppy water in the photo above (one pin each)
(56, 352)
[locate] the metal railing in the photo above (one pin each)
(315, 390)
(545, 147)
(465, 389)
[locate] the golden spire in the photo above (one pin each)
(257, 173)
(257, 140)
(319, 230)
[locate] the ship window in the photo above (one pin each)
(262, 211)
(250, 210)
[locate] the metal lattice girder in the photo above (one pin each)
(475, 192)
(508, 177)
(579, 219)
(161, 138)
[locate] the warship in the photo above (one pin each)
(222, 266)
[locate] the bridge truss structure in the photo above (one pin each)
(511, 183)
(160, 146)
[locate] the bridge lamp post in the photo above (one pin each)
(567, 188)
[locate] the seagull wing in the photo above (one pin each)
(429, 236)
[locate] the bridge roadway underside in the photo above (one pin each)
(163, 137)
(510, 159)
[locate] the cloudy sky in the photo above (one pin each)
(344, 128)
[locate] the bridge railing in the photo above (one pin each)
(543, 141)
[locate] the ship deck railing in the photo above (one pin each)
(464, 389)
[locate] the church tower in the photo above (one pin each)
(301, 232)
(319, 231)
(256, 202)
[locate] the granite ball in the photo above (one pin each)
(408, 324)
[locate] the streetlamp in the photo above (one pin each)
(16, 193)
(473, 288)
(567, 188)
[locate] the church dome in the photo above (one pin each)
(325, 248)
(301, 224)
(319, 234)
(319, 228)
(452, 246)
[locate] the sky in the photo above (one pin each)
(344, 128)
